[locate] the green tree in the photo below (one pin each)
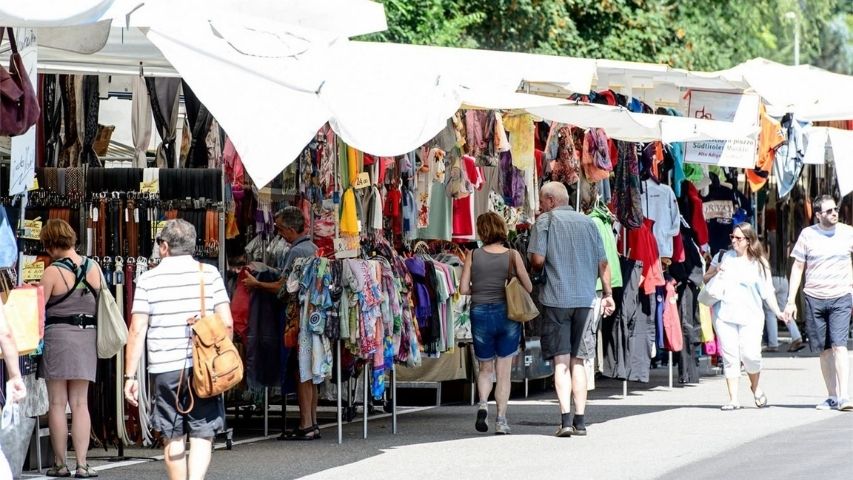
(698, 35)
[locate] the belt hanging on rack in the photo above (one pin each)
(101, 227)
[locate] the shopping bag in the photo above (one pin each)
(706, 326)
(112, 330)
(15, 433)
(24, 311)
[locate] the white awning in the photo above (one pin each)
(621, 124)
(808, 92)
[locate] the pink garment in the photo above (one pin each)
(463, 208)
(673, 339)
(234, 170)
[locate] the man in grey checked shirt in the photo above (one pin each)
(568, 246)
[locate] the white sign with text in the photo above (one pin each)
(23, 161)
(740, 109)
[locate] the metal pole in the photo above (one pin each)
(796, 40)
(340, 414)
(624, 388)
(365, 378)
(267, 410)
(222, 226)
(394, 398)
(670, 369)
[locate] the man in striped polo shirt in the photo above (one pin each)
(166, 298)
(824, 251)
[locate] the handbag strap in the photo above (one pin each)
(12, 43)
(201, 278)
(511, 269)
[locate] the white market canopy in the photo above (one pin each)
(622, 124)
(808, 92)
(273, 72)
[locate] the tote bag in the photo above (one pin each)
(519, 305)
(112, 330)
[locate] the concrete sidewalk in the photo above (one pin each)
(655, 432)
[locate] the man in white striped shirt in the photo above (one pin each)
(166, 298)
(824, 251)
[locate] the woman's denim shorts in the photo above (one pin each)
(494, 334)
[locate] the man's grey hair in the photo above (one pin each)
(292, 217)
(180, 236)
(557, 191)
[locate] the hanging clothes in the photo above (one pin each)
(789, 156)
(642, 246)
(629, 209)
(770, 137)
(673, 336)
(521, 130)
(603, 221)
(659, 204)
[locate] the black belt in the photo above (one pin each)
(82, 321)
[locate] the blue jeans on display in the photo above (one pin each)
(494, 334)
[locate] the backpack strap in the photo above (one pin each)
(80, 277)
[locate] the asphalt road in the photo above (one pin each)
(653, 433)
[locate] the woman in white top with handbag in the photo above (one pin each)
(739, 315)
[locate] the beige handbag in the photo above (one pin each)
(519, 305)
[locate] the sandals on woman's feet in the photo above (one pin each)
(316, 431)
(303, 434)
(730, 406)
(85, 471)
(760, 399)
(59, 471)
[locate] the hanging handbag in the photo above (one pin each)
(19, 107)
(112, 329)
(217, 366)
(519, 305)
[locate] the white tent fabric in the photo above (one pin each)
(269, 119)
(388, 99)
(61, 13)
(817, 145)
(842, 155)
(620, 123)
(810, 93)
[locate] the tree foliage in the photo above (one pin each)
(698, 35)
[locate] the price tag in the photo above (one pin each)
(363, 181)
(158, 227)
(35, 185)
(150, 187)
(346, 247)
(32, 272)
(32, 229)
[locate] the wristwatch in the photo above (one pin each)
(130, 377)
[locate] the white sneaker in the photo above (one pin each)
(827, 404)
(501, 426)
(845, 405)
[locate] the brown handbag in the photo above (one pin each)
(19, 106)
(519, 305)
(217, 366)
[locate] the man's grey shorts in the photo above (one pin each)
(205, 420)
(566, 331)
(828, 321)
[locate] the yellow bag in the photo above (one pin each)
(706, 333)
(24, 311)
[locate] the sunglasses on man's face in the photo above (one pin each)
(830, 210)
(159, 241)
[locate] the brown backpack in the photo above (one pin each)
(217, 366)
(19, 106)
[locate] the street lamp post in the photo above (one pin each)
(796, 19)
